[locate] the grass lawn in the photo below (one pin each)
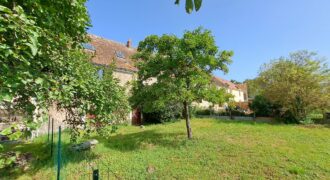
(220, 149)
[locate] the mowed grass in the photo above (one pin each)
(220, 149)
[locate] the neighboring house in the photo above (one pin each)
(239, 92)
(106, 53)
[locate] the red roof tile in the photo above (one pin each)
(222, 82)
(106, 51)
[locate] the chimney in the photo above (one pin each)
(129, 43)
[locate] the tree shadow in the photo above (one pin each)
(273, 123)
(146, 139)
(248, 122)
(42, 159)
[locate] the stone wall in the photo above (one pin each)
(58, 115)
(124, 77)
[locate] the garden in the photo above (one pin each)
(45, 66)
(219, 149)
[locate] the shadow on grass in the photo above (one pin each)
(273, 123)
(248, 122)
(42, 159)
(146, 139)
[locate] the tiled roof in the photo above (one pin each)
(242, 87)
(107, 51)
(225, 83)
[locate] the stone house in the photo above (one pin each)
(106, 53)
(239, 92)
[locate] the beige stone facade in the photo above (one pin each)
(239, 92)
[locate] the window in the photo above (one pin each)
(100, 73)
(245, 97)
(88, 46)
(120, 54)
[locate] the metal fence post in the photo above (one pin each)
(59, 154)
(52, 139)
(48, 128)
(96, 174)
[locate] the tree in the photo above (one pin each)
(235, 82)
(263, 107)
(299, 83)
(231, 106)
(253, 87)
(179, 67)
(42, 61)
(191, 5)
(217, 96)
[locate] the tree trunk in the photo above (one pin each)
(230, 115)
(186, 111)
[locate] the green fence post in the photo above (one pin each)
(48, 128)
(59, 154)
(52, 139)
(96, 174)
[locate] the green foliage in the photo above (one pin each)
(82, 92)
(171, 112)
(177, 70)
(107, 131)
(299, 84)
(182, 67)
(235, 82)
(203, 112)
(254, 88)
(217, 96)
(35, 43)
(11, 132)
(263, 107)
(191, 5)
(259, 150)
(7, 160)
(42, 62)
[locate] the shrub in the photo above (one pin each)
(236, 112)
(288, 118)
(204, 112)
(167, 114)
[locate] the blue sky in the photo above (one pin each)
(256, 30)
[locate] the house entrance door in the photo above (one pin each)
(136, 117)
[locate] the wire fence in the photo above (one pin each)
(89, 167)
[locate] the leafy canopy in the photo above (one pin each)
(177, 70)
(191, 5)
(299, 83)
(42, 61)
(180, 68)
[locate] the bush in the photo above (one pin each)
(289, 118)
(170, 113)
(204, 112)
(236, 112)
(207, 112)
(261, 106)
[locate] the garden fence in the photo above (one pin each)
(63, 158)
